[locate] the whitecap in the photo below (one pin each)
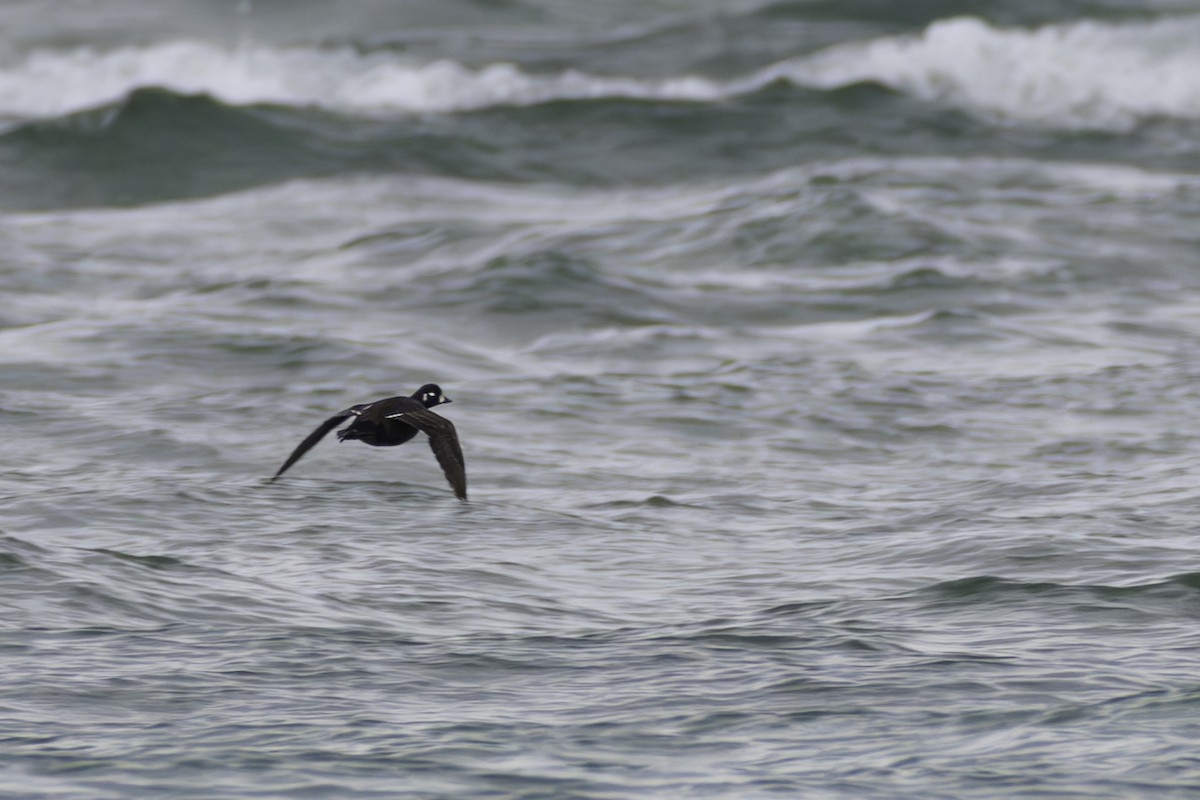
(1076, 75)
(53, 82)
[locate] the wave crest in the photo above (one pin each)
(1079, 75)
(338, 79)
(1087, 75)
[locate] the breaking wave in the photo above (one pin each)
(1087, 74)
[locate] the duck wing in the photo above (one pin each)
(319, 434)
(443, 441)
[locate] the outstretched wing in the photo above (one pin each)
(443, 441)
(318, 435)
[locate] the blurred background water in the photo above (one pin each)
(826, 373)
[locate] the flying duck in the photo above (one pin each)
(393, 421)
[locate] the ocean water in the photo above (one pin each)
(828, 375)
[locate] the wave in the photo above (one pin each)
(989, 587)
(1086, 74)
(156, 145)
(339, 79)
(1073, 75)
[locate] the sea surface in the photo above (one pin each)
(828, 374)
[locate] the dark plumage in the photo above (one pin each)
(393, 421)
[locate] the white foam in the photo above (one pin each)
(53, 82)
(1071, 75)
(1074, 75)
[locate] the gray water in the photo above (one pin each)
(826, 375)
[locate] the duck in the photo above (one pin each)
(393, 421)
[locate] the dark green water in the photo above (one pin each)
(826, 375)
